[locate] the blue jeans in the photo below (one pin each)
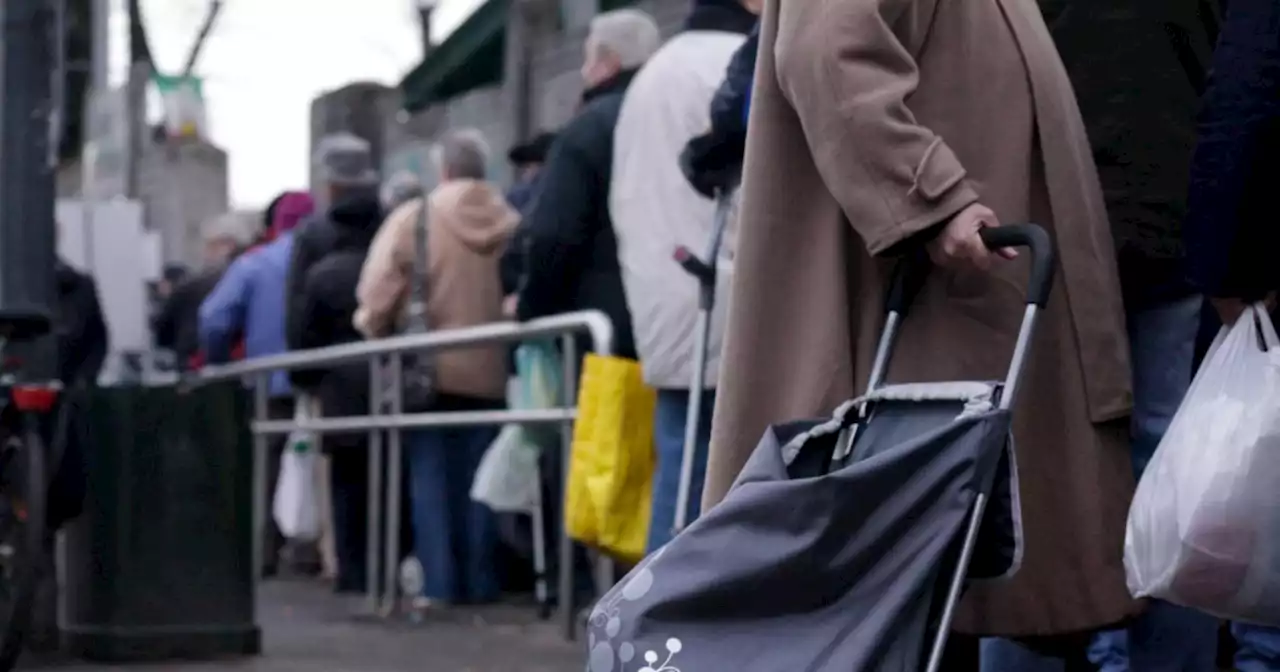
(668, 429)
(1257, 648)
(1166, 637)
(454, 538)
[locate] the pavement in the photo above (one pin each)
(308, 629)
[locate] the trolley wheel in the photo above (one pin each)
(23, 499)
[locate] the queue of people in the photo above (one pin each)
(876, 130)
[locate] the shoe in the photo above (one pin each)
(412, 579)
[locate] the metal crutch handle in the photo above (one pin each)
(704, 271)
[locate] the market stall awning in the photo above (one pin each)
(470, 58)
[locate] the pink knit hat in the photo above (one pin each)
(290, 211)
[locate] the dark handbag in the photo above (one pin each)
(418, 371)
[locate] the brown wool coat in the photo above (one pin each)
(874, 120)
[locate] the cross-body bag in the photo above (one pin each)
(418, 371)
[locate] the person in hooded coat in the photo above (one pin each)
(326, 309)
(246, 307)
(883, 126)
(349, 183)
(469, 226)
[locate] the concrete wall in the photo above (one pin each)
(181, 186)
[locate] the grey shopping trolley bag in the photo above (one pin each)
(846, 542)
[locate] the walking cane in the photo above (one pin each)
(704, 271)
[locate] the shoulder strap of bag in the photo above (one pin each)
(417, 317)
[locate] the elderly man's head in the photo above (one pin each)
(618, 41)
(462, 155)
(344, 164)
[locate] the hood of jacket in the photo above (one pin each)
(475, 213)
(355, 221)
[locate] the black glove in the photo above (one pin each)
(713, 163)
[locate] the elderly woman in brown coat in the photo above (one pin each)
(878, 125)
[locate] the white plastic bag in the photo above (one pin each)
(1204, 527)
(507, 479)
(296, 506)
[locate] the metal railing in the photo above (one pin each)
(385, 414)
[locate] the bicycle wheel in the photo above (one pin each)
(23, 485)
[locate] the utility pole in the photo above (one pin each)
(95, 120)
(27, 235)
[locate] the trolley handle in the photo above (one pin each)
(1036, 240)
(909, 275)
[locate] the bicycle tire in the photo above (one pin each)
(29, 552)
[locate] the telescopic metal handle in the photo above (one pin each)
(1036, 241)
(910, 273)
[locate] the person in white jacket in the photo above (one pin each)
(654, 211)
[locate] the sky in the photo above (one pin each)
(266, 60)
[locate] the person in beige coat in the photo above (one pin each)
(469, 225)
(882, 125)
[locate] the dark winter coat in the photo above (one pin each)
(328, 303)
(713, 160)
(314, 239)
(572, 252)
(177, 326)
(521, 197)
(1138, 68)
(1231, 231)
(348, 226)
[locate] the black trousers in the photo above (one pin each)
(349, 495)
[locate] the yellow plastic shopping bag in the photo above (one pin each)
(608, 495)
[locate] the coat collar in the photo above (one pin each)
(726, 16)
(615, 84)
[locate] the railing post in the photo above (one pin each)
(569, 351)
(261, 480)
(374, 494)
(395, 480)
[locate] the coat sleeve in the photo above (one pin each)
(303, 257)
(1238, 119)
(848, 78)
(731, 97)
(384, 279)
(558, 230)
(222, 312)
(713, 161)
